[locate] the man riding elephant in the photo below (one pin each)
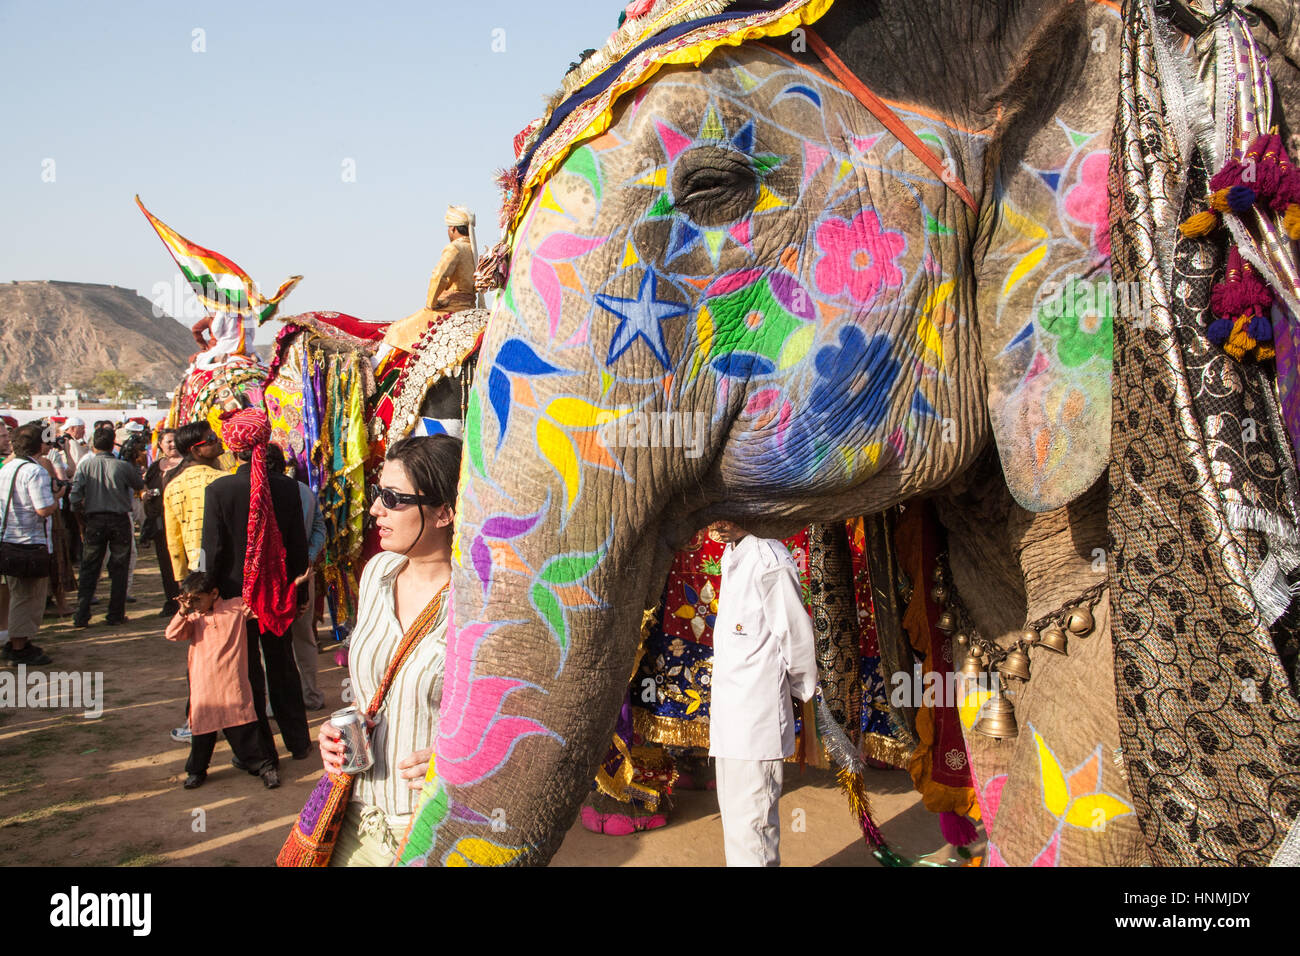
(451, 287)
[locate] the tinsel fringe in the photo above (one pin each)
(670, 731)
(1272, 591)
(1288, 854)
(860, 805)
(836, 741)
(886, 750)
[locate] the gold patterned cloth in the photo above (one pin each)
(1209, 725)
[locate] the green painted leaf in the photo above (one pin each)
(583, 163)
(934, 226)
(663, 207)
(549, 608)
(570, 568)
(473, 433)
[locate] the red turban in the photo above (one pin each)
(267, 590)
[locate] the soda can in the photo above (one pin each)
(351, 725)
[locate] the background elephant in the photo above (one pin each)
(735, 293)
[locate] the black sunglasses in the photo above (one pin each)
(392, 500)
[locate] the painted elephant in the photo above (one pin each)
(744, 284)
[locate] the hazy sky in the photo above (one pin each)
(244, 147)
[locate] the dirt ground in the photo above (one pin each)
(107, 791)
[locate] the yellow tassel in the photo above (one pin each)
(1264, 352)
(1219, 200)
(1200, 224)
(1240, 342)
(1291, 221)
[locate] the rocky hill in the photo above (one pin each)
(52, 333)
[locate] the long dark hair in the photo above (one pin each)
(432, 462)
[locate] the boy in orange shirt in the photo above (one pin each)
(221, 697)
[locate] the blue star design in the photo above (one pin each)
(642, 318)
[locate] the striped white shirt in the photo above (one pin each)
(408, 718)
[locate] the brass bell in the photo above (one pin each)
(1079, 622)
(1054, 639)
(962, 639)
(1015, 665)
(947, 622)
(937, 574)
(972, 667)
(1028, 637)
(939, 594)
(999, 720)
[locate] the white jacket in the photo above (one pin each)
(762, 653)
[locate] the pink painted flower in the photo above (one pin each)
(1087, 200)
(638, 8)
(857, 256)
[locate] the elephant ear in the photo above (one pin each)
(1046, 306)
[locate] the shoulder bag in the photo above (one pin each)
(312, 838)
(22, 560)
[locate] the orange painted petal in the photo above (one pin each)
(505, 557)
(1087, 779)
(572, 595)
(568, 276)
(592, 451)
(521, 393)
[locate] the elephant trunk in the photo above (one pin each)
(541, 644)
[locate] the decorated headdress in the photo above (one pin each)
(267, 590)
(651, 35)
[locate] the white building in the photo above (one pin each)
(68, 400)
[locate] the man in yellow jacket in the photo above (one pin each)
(451, 287)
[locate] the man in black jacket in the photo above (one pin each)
(227, 505)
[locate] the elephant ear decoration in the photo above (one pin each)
(1046, 302)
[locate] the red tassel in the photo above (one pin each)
(1268, 171)
(956, 829)
(1256, 294)
(1287, 192)
(1227, 177)
(1226, 297)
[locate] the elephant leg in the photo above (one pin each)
(1056, 794)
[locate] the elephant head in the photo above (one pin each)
(734, 292)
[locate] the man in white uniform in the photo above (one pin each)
(762, 654)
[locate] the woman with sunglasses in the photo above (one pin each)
(414, 508)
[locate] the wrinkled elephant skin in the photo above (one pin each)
(748, 299)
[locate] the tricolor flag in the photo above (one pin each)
(220, 284)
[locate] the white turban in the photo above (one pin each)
(458, 216)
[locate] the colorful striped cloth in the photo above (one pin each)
(218, 282)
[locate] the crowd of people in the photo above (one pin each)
(61, 494)
(237, 540)
(73, 510)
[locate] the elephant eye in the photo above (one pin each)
(714, 186)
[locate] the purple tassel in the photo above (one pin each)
(956, 829)
(1240, 199)
(1260, 329)
(1219, 331)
